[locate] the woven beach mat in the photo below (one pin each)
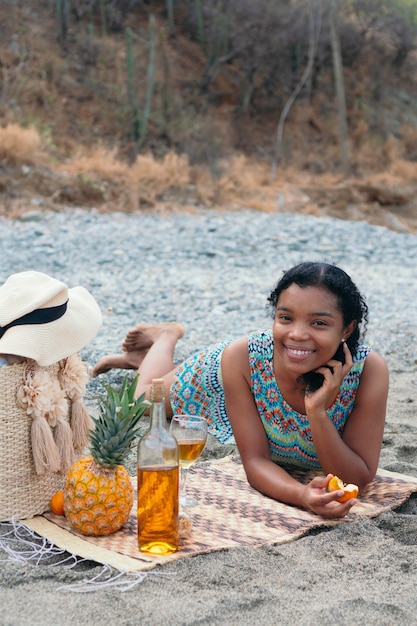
(229, 514)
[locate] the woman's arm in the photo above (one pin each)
(262, 473)
(354, 457)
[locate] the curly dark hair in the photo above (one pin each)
(350, 302)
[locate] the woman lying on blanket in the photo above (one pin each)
(305, 394)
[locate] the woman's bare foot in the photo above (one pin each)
(142, 336)
(136, 346)
(127, 361)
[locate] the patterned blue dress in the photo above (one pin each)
(197, 389)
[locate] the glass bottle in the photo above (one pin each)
(158, 480)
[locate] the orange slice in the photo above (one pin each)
(349, 491)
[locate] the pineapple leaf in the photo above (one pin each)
(116, 426)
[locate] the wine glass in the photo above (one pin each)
(190, 431)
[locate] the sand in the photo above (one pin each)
(362, 572)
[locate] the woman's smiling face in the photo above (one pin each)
(308, 327)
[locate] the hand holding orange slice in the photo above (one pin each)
(349, 491)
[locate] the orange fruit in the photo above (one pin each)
(56, 503)
(349, 491)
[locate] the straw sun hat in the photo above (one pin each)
(41, 319)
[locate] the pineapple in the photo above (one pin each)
(98, 493)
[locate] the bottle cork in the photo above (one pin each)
(157, 393)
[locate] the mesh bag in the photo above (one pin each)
(43, 430)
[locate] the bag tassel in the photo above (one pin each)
(81, 423)
(45, 453)
(64, 444)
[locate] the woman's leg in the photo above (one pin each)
(149, 348)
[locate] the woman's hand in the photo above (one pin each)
(334, 372)
(325, 504)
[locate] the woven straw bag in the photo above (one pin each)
(26, 486)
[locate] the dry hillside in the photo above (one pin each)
(65, 129)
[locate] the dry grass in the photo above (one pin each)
(20, 146)
(97, 161)
(103, 179)
(404, 170)
(171, 171)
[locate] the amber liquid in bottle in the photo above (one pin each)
(158, 482)
(157, 510)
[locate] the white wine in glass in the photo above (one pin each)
(190, 431)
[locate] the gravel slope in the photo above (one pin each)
(213, 270)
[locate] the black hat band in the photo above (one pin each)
(40, 316)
